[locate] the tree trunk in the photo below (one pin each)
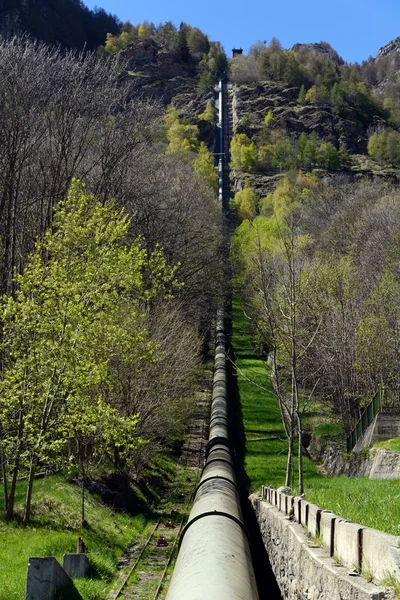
(301, 476)
(4, 477)
(83, 522)
(28, 499)
(11, 498)
(289, 464)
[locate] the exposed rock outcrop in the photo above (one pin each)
(322, 48)
(160, 74)
(255, 100)
(390, 48)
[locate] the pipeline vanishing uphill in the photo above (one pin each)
(214, 561)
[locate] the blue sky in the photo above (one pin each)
(355, 28)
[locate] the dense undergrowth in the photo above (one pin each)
(55, 528)
(373, 503)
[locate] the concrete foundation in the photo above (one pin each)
(304, 570)
(47, 580)
(385, 426)
(76, 565)
(358, 550)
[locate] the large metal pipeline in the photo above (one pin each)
(214, 561)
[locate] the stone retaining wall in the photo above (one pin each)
(317, 555)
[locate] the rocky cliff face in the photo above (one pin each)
(322, 48)
(390, 48)
(157, 72)
(255, 100)
(160, 75)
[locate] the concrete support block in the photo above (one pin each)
(348, 544)
(288, 503)
(304, 570)
(313, 521)
(46, 578)
(327, 527)
(297, 508)
(76, 565)
(304, 513)
(380, 554)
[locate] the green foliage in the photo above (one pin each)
(204, 166)
(206, 80)
(210, 113)
(77, 309)
(302, 95)
(385, 146)
(268, 119)
(328, 157)
(181, 136)
(212, 64)
(243, 152)
(198, 42)
(69, 24)
(245, 202)
(283, 154)
(54, 532)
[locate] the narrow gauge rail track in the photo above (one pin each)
(150, 560)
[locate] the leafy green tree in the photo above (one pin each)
(385, 146)
(210, 113)
(293, 72)
(206, 80)
(265, 157)
(283, 154)
(243, 152)
(204, 166)
(310, 152)
(198, 42)
(302, 95)
(245, 202)
(78, 304)
(181, 136)
(328, 157)
(301, 145)
(344, 157)
(268, 119)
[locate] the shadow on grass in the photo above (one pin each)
(69, 592)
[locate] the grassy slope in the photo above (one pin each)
(373, 503)
(54, 530)
(266, 445)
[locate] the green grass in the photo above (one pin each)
(372, 503)
(330, 430)
(393, 445)
(53, 531)
(266, 444)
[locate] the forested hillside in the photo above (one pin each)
(110, 235)
(68, 23)
(315, 157)
(112, 259)
(305, 108)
